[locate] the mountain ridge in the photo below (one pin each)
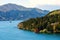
(16, 7)
(21, 12)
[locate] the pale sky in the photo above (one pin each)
(31, 3)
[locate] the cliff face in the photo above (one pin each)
(49, 23)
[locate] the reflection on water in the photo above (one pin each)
(10, 31)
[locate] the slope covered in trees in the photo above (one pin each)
(47, 24)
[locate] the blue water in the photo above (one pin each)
(10, 31)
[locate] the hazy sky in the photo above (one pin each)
(33, 3)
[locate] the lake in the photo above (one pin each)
(10, 31)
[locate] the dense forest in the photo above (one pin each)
(47, 24)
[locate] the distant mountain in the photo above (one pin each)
(16, 12)
(8, 7)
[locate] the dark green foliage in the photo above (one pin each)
(58, 27)
(47, 22)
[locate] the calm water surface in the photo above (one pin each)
(10, 31)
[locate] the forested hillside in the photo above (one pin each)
(47, 24)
